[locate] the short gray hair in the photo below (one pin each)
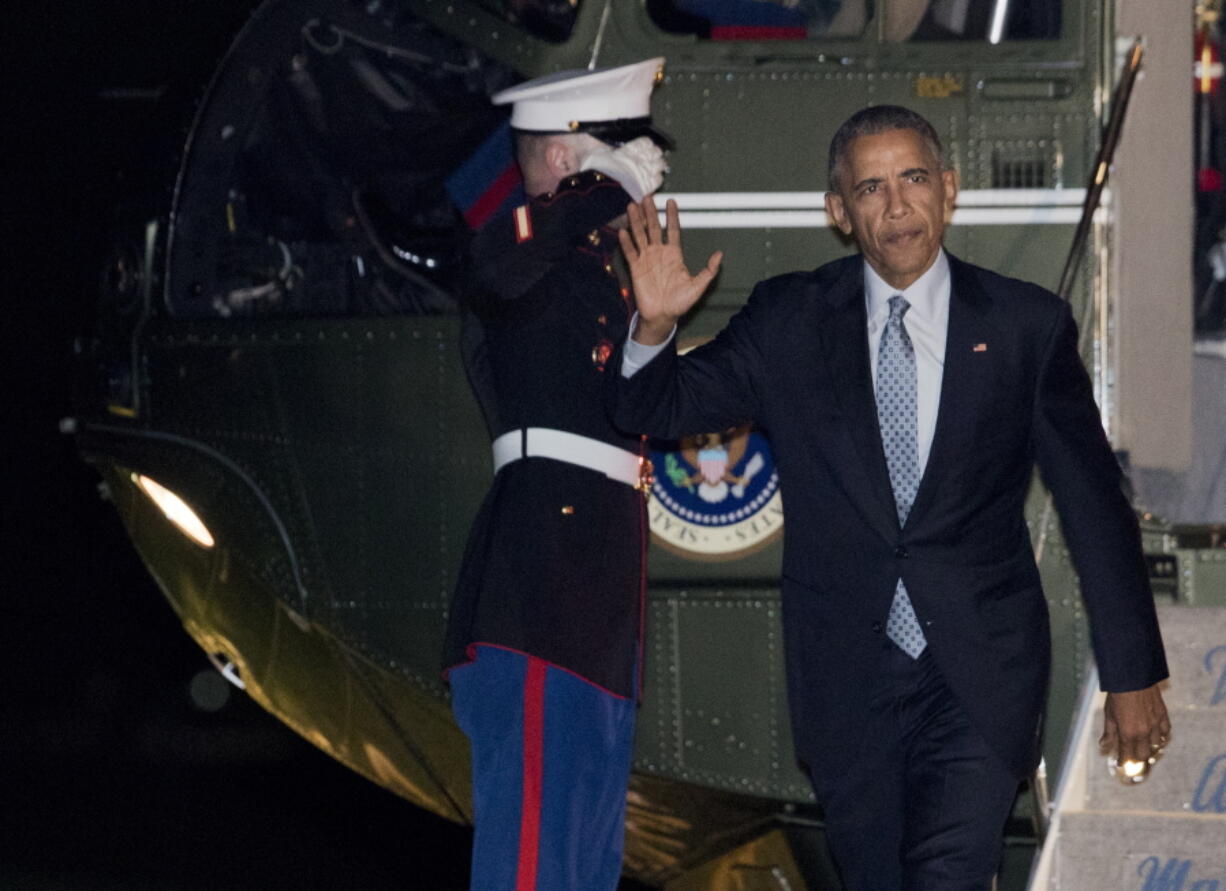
(871, 121)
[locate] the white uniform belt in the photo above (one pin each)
(542, 442)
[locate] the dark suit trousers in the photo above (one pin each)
(923, 806)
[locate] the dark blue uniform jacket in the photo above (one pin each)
(553, 566)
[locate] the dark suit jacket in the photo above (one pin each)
(795, 360)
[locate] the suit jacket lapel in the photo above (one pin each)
(843, 336)
(968, 334)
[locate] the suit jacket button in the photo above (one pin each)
(876, 628)
(901, 552)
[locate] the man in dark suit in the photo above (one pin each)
(907, 396)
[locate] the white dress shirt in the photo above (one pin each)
(927, 322)
(636, 354)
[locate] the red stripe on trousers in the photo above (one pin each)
(534, 755)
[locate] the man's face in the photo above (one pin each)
(895, 200)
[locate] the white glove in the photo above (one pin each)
(637, 165)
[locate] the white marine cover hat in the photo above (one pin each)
(612, 104)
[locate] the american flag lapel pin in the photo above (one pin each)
(523, 224)
(979, 348)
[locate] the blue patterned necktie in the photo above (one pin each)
(896, 415)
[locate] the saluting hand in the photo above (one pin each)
(664, 290)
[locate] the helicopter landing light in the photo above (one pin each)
(175, 509)
(227, 669)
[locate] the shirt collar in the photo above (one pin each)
(928, 294)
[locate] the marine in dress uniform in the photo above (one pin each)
(544, 640)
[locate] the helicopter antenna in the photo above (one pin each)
(1102, 167)
(599, 41)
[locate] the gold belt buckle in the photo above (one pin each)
(647, 475)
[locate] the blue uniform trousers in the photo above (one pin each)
(550, 763)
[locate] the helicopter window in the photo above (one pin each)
(761, 19)
(551, 20)
(990, 20)
(901, 20)
(342, 187)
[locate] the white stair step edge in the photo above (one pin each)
(1190, 777)
(1070, 794)
(1142, 851)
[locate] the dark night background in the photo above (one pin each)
(110, 776)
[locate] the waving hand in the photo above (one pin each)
(664, 290)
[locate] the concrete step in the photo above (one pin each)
(1195, 639)
(1140, 852)
(1189, 778)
